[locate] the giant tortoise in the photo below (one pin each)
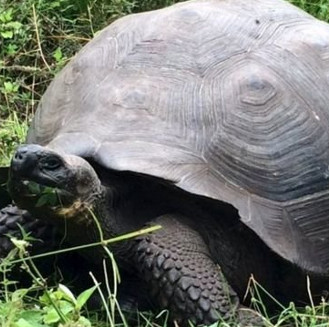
(209, 118)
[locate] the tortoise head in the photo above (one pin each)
(50, 184)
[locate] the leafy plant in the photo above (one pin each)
(12, 132)
(55, 306)
(317, 8)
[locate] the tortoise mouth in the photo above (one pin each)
(47, 202)
(40, 193)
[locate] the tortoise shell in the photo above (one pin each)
(225, 99)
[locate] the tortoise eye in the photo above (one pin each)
(51, 163)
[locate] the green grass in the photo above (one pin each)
(12, 132)
(45, 305)
(317, 8)
(37, 38)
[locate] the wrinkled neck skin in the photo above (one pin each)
(127, 205)
(123, 207)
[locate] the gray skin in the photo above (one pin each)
(175, 264)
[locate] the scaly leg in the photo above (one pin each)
(183, 278)
(11, 217)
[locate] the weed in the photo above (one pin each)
(317, 8)
(19, 309)
(41, 305)
(12, 132)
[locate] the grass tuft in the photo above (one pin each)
(42, 305)
(12, 132)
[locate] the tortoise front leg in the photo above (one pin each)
(176, 264)
(12, 219)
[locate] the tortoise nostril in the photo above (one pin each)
(20, 154)
(24, 160)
